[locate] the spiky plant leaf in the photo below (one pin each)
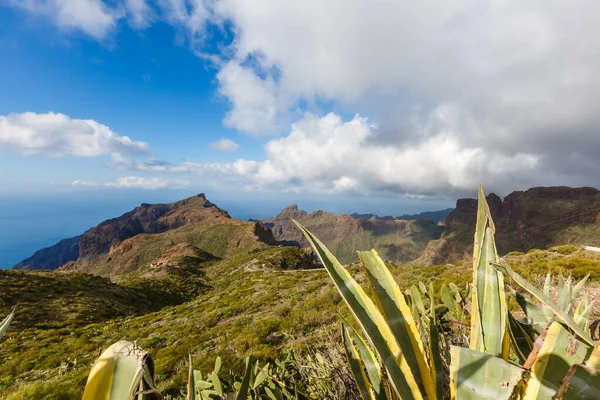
(5, 323)
(371, 321)
(242, 393)
(548, 304)
(558, 352)
(480, 376)
(399, 317)
(360, 378)
(370, 362)
(121, 372)
(581, 383)
(488, 314)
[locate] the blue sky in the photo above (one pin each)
(347, 104)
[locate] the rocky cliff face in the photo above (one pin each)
(395, 240)
(536, 218)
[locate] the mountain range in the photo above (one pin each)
(538, 217)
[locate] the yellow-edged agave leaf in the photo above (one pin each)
(549, 305)
(488, 314)
(121, 372)
(480, 376)
(372, 365)
(559, 351)
(362, 382)
(371, 321)
(400, 318)
(5, 323)
(581, 383)
(242, 393)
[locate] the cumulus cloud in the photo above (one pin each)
(225, 145)
(57, 135)
(329, 155)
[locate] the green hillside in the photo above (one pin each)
(248, 306)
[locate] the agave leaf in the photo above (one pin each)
(242, 393)
(480, 376)
(417, 298)
(217, 365)
(581, 315)
(488, 315)
(533, 313)
(579, 287)
(120, 372)
(261, 376)
(521, 337)
(558, 352)
(5, 323)
(447, 298)
(565, 296)
(400, 318)
(371, 321)
(423, 289)
(435, 352)
(362, 382)
(191, 386)
(581, 383)
(547, 284)
(535, 292)
(216, 382)
(372, 365)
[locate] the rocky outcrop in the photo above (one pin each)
(536, 218)
(147, 218)
(395, 240)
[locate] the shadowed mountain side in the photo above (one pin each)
(52, 257)
(396, 240)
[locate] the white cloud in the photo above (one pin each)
(57, 135)
(225, 145)
(140, 13)
(255, 103)
(84, 183)
(134, 182)
(327, 155)
(92, 17)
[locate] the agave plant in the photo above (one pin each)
(122, 372)
(549, 354)
(259, 382)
